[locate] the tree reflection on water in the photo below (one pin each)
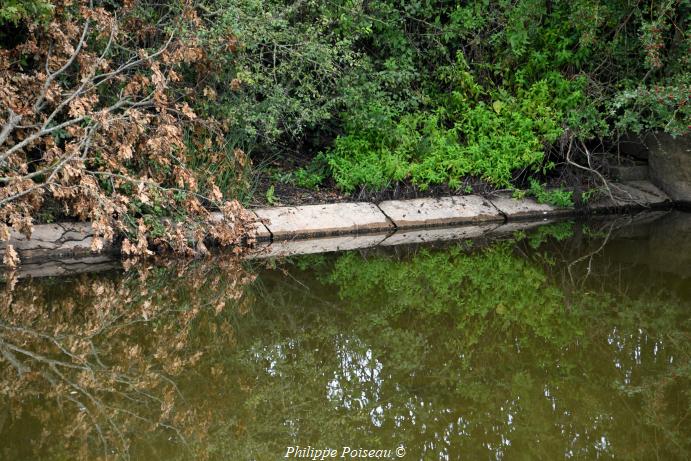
(540, 346)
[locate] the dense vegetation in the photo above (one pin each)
(432, 92)
(125, 112)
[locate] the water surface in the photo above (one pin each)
(570, 341)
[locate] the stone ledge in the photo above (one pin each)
(645, 194)
(444, 211)
(526, 208)
(478, 233)
(328, 220)
(631, 195)
(323, 220)
(50, 240)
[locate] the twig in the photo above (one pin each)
(589, 168)
(12, 121)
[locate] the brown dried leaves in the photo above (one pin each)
(109, 140)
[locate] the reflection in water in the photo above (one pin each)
(568, 342)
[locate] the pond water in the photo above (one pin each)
(567, 341)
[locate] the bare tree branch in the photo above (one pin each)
(12, 121)
(38, 105)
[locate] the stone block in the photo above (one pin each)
(323, 220)
(629, 173)
(670, 164)
(525, 208)
(444, 211)
(631, 195)
(46, 240)
(640, 194)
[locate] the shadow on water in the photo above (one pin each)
(569, 341)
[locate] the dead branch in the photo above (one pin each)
(589, 168)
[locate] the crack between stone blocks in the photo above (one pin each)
(262, 223)
(504, 215)
(388, 218)
(271, 234)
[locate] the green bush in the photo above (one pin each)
(277, 69)
(440, 91)
(313, 175)
(14, 11)
(556, 197)
(462, 137)
(429, 92)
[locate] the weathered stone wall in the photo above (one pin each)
(669, 161)
(50, 241)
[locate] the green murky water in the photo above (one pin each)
(568, 341)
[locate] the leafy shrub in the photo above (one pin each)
(313, 175)
(13, 11)
(490, 89)
(557, 197)
(271, 195)
(275, 71)
(463, 137)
